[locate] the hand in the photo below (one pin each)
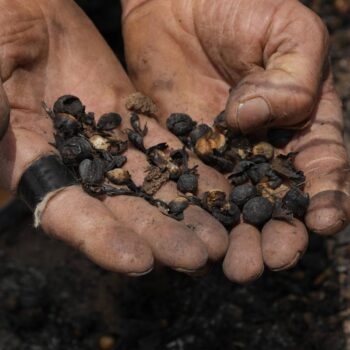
(48, 49)
(187, 54)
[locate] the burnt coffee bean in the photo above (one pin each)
(239, 179)
(69, 104)
(136, 139)
(257, 211)
(174, 171)
(75, 150)
(257, 172)
(178, 205)
(296, 201)
(188, 183)
(100, 143)
(240, 195)
(109, 121)
(198, 132)
(92, 171)
(263, 149)
(220, 122)
(115, 162)
(229, 215)
(88, 119)
(203, 148)
(213, 198)
(242, 166)
(180, 124)
(258, 159)
(118, 176)
(66, 125)
(280, 138)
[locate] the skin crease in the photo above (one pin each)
(274, 55)
(45, 52)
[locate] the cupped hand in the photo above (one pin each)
(273, 55)
(48, 49)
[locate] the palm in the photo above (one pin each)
(53, 50)
(188, 55)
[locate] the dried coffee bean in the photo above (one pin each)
(118, 176)
(229, 215)
(257, 211)
(180, 124)
(263, 149)
(188, 183)
(222, 164)
(174, 171)
(280, 212)
(92, 171)
(296, 201)
(239, 179)
(100, 143)
(75, 150)
(242, 167)
(258, 159)
(69, 104)
(279, 138)
(220, 122)
(213, 198)
(178, 205)
(66, 125)
(203, 148)
(136, 139)
(242, 194)
(198, 132)
(88, 119)
(115, 162)
(257, 172)
(109, 121)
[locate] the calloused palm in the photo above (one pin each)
(48, 49)
(186, 54)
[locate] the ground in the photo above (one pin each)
(52, 298)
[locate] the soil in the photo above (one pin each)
(53, 298)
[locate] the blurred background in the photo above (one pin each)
(52, 298)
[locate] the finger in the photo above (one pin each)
(72, 215)
(244, 262)
(284, 91)
(283, 243)
(172, 243)
(323, 158)
(205, 226)
(86, 224)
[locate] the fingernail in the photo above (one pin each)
(252, 114)
(139, 274)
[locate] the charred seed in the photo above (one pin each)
(178, 205)
(257, 211)
(296, 201)
(263, 149)
(188, 183)
(240, 195)
(69, 104)
(109, 121)
(118, 176)
(180, 124)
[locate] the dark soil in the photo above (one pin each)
(52, 298)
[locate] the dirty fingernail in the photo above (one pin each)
(252, 114)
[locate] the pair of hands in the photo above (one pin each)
(185, 55)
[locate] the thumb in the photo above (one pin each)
(283, 92)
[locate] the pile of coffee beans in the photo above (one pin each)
(265, 184)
